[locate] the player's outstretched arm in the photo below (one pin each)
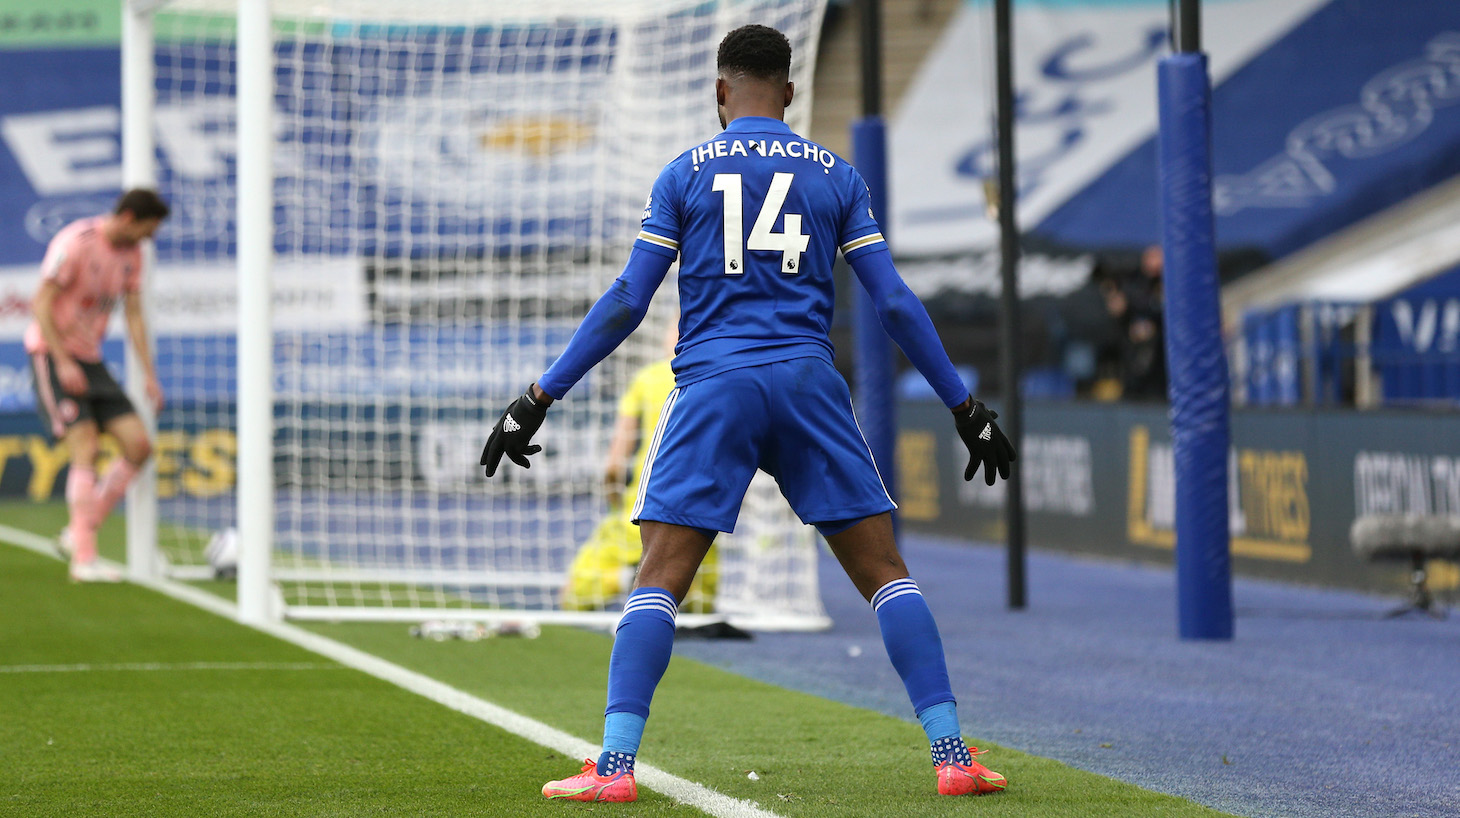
(612, 319)
(907, 322)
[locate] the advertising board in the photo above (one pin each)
(1100, 479)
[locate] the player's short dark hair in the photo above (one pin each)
(755, 51)
(143, 204)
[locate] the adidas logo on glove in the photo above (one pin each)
(511, 425)
(986, 434)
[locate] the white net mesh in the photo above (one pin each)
(455, 182)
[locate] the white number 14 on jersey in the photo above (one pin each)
(792, 243)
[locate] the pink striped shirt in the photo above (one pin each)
(92, 276)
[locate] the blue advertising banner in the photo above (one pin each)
(1310, 136)
(16, 395)
(1416, 344)
(16, 392)
(358, 173)
(1085, 99)
(393, 363)
(1323, 112)
(60, 144)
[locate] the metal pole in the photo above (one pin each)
(139, 169)
(255, 319)
(1186, 25)
(1012, 419)
(871, 13)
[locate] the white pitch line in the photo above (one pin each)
(680, 789)
(164, 666)
(44, 546)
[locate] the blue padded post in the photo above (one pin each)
(1197, 363)
(874, 362)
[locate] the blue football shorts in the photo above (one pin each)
(792, 419)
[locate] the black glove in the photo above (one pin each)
(985, 441)
(513, 433)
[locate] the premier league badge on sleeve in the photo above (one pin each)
(648, 209)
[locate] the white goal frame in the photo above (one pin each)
(258, 599)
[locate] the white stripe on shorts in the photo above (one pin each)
(654, 452)
(870, 456)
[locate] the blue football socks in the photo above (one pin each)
(622, 733)
(911, 638)
(940, 720)
(641, 649)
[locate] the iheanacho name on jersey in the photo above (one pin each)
(721, 148)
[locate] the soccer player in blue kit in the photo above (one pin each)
(755, 216)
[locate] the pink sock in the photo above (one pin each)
(81, 501)
(112, 488)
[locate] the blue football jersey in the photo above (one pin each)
(756, 216)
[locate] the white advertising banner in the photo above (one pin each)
(322, 294)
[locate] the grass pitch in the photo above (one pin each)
(118, 701)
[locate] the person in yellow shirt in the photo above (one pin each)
(603, 569)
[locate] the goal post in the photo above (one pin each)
(139, 170)
(254, 57)
(388, 218)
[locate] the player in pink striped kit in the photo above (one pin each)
(89, 267)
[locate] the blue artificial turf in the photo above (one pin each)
(1319, 707)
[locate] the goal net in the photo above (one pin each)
(455, 182)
